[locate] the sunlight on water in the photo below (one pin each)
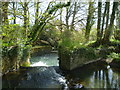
(38, 64)
(45, 60)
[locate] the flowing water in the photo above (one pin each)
(97, 75)
(45, 60)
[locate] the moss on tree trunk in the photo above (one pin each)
(25, 62)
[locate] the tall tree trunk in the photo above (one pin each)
(117, 30)
(14, 12)
(67, 18)
(107, 17)
(1, 18)
(103, 22)
(0, 36)
(74, 14)
(89, 20)
(26, 20)
(26, 51)
(36, 12)
(61, 27)
(5, 12)
(110, 27)
(99, 22)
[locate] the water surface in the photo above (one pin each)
(45, 60)
(97, 75)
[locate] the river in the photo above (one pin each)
(97, 75)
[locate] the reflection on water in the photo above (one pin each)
(45, 60)
(103, 79)
(95, 78)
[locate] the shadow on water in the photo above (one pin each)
(47, 74)
(97, 75)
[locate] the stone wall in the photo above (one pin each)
(69, 60)
(40, 50)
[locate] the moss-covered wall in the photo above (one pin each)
(40, 50)
(10, 60)
(70, 60)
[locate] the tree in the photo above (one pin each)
(36, 12)
(26, 17)
(5, 12)
(74, 14)
(99, 23)
(61, 26)
(109, 30)
(14, 12)
(90, 20)
(106, 12)
(117, 30)
(37, 28)
(1, 15)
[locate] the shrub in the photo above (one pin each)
(71, 39)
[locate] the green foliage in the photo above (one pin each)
(10, 34)
(86, 52)
(115, 41)
(71, 39)
(115, 56)
(57, 6)
(52, 32)
(93, 34)
(13, 34)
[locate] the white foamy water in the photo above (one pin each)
(45, 60)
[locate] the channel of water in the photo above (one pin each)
(98, 75)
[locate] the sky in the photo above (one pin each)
(44, 5)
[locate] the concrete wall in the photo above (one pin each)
(69, 60)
